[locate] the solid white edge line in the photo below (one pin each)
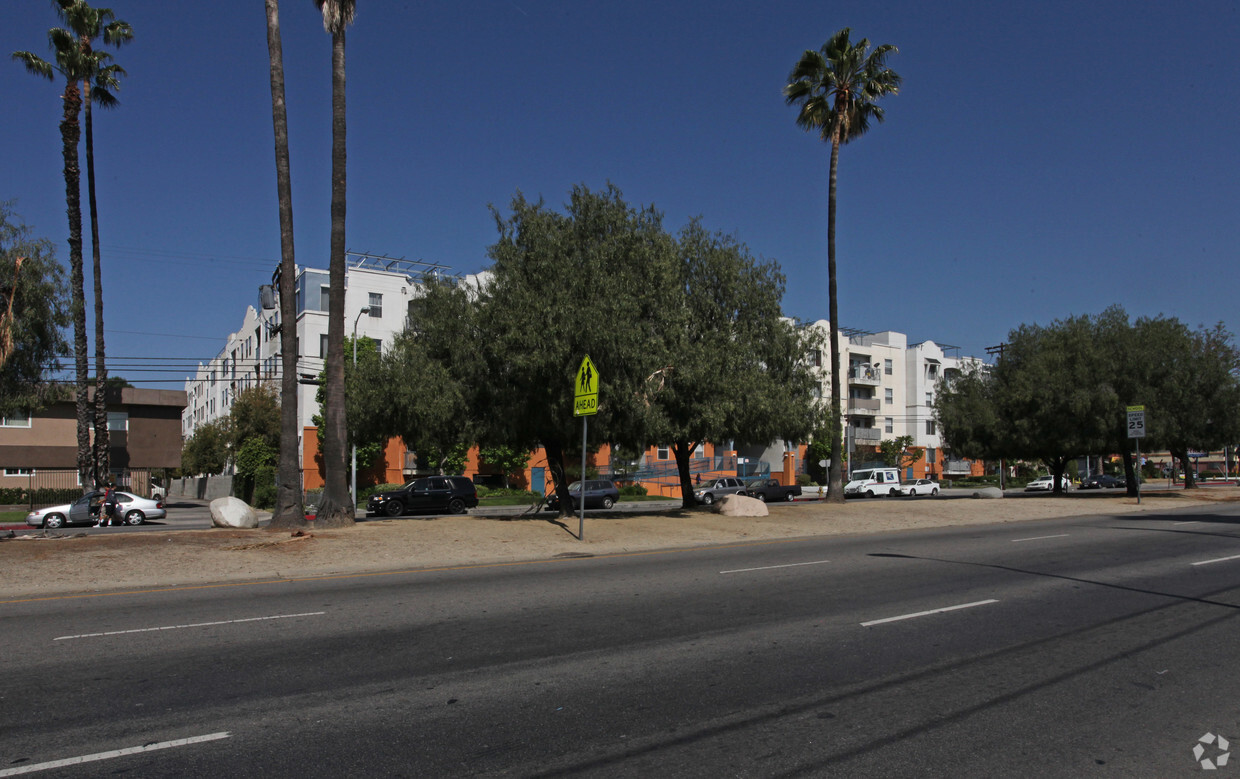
(927, 613)
(1217, 560)
(180, 742)
(1039, 538)
(195, 625)
(1189, 522)
(770, 567)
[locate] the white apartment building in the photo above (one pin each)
(889, 386)
(377, 295)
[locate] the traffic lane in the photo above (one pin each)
(786, 685)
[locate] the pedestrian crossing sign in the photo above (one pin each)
(585, 389)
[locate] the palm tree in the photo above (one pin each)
(91, 24)
(70, 64)
(837, 88)
(336, 507)
(289, 511)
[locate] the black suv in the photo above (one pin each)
(453, 494)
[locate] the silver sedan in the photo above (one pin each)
(130, 509)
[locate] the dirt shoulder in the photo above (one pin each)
(60, 563)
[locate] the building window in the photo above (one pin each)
(929, 400)
(118, 421)
(888, 396)
(376, 305)
(930, 452)
(19, 471)
(661, 453)
(699, 452)
(930, 427)
(16, 419)
(887, 367)
(323, 345)
(378, 342)
(888, 425)
(325, 296)
(815, 358)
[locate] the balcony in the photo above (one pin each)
(865, 375)
(866, 407)
(867, 436)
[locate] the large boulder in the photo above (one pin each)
(740, 506)
(989, 492)
(232, 512)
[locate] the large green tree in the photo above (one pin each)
(73, 67)
(336, 506)
(732, 367)
(837, 89)
(100, 80)
(595, 280)
(289, 511)
(34, 312)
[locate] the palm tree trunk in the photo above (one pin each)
(70, 135)
(336, 507)
(835, 482)
(102, 458)
(289, 511)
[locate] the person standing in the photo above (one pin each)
(108, 510)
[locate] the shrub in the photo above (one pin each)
(265, 487)
(633, 490)
(804, 479)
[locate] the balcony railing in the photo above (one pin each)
(864, 406)
(865, 375)
(867, 435)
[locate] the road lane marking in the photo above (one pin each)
(194, 625)
(180, 742)
(928, 613)
(771, 567)
(1039, 538)
(1190, 522)
(1218, 560)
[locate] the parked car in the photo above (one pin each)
(130, 509)
(600, 493)
(769, 490)
(453, 494)
(873, 481)
(920, 487)
(1103, 481)
(1046, 483)
(710, 491)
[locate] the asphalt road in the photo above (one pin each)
(1088, 646)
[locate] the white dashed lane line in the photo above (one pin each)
(68, 761)
(194, 625)
(928, 613)
(1039, 538)
(772, 567)
(1218, 560)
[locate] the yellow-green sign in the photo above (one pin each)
(585, 389)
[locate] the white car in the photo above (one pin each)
(130, 509)
(1046, 483)
(920, 487)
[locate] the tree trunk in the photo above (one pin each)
(835, 482)
(70, 135)
(681, 450)
(336, 508)
(102, 459)
(555, 462)
(1131, 474)
(1186, 464)
(289, 510)
(1057, 465)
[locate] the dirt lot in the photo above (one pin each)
(62, 562)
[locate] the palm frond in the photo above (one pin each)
(35, 64)
(337, 14)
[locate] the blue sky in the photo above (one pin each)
(1042, 159)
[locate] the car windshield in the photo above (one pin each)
(575, 487)
(861, 476)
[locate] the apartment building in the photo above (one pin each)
(378, 291)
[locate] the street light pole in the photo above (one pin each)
(353, 470)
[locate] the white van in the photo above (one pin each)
(874, 481)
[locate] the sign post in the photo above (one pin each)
(1136, 431)
(585, 404)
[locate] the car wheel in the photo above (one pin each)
(54, 521)
(761, 496)
(869, 493)
(934, 492)
(892, 493)
(394, 508)
(608, 502)
(788, 497)
(708, 499)
(134, 517)
(456, 506)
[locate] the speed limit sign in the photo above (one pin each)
(1136, 421)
